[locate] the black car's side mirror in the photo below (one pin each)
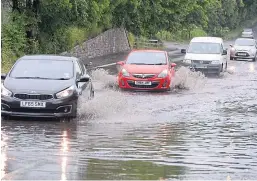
(183, 50)
(3, 76)
(83, 79)
(224, 52)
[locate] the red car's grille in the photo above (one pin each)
(143, 76)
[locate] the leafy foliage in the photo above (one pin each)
(53, 26)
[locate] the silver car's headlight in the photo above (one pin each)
(125, 73)
(252, 52)
(65, 93)
(163, 74)
(187, 61)
(215, 62)
(5, 91)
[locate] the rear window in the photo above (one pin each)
(50, 69)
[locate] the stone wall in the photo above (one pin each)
(110, 42)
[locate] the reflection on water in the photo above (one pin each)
(64, 150)
(251, 67)
(3, 155)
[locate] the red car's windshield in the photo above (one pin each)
(147, 58)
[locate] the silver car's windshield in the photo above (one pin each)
(245, 42)
(204, 48)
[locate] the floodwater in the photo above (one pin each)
(206, 129)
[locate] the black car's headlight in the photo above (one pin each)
(65, 93)
(5, 91)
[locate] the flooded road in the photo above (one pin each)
(208, 130)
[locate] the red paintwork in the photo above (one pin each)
(147, 69)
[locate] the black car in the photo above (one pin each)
(45, 86)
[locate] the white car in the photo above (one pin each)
(244, 49)
(206, 54)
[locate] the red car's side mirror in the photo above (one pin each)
(120, 63)
(173, 65)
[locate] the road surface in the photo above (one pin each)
(208, 130)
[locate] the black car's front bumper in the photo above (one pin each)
(206, 68)
(55, 108)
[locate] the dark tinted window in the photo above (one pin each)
(52, 69)
(149, 58)
(245, 42)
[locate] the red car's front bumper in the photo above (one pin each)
(156, 83)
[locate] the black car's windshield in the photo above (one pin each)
(147, 58)
(204, 48)
(43, 69)
(245, 42)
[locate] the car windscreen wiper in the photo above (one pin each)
(62, 79)
(148, 63)
(31, 78)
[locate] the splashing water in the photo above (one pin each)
(110, 102)
(102, 79)
(186, 79)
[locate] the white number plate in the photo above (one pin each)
(33, 104)
(143, 83)
(201, 66)
(242, 54)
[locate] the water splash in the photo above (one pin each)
(102, 79)
(186, 79)
(110, 102)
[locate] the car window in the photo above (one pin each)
(204, 48)
(147, 58)
(83, 67)
(221, 47)
(77, 68)
(245, 42)
(49, 69)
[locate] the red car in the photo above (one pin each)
(146, 70)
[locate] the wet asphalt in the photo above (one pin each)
(208, 130)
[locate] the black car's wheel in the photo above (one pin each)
(254, 59)
(74, 110)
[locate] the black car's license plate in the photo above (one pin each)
(33, 104)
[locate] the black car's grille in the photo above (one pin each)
(33, 96)
(239, 53)
(143, 76)
(201, 61)
(32, 110)
(154, 84)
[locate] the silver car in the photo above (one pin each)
(247, 35)
(244, 49)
